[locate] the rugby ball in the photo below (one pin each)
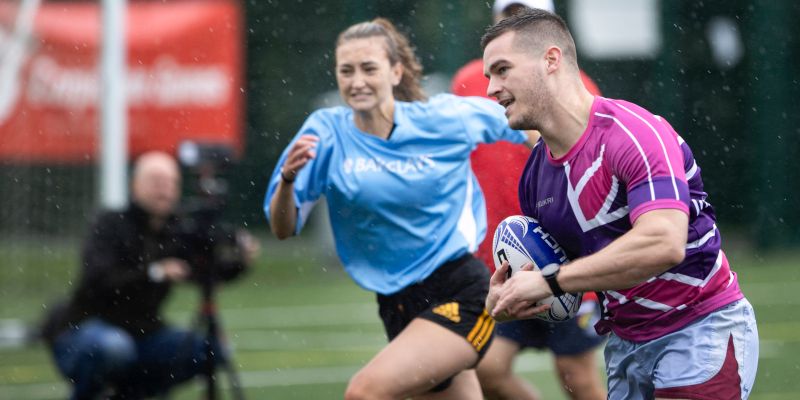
(520, 240)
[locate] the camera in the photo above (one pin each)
(211, 243)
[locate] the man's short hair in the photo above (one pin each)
(507, 8)
(535, 28)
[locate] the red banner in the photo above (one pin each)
(183, 81)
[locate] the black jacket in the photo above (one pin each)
(114, 284)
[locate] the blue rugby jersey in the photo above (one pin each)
(401, 207)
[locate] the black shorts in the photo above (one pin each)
(453, 296)
(568, 338)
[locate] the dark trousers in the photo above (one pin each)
(97, 355)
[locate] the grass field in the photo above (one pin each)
(300, 328)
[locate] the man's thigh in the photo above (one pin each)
(174, 355)
(92, 342)
(717, 354)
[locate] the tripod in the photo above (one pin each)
(208, 317)
(212, 247)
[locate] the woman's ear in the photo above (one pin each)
(397, 73)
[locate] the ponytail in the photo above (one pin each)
(398, 49)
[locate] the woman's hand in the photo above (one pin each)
(301, 152)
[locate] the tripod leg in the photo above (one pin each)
(215, 351)
(212, 339)
(226, 362)
(233, 378)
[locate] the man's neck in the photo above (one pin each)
(156, 223)
(570, 117)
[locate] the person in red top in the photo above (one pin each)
(573, 342)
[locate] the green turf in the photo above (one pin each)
(300, 327)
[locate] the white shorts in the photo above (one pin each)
(715, 357)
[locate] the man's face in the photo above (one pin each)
(156, 187)
(516, 79)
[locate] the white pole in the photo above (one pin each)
(13, 49)
(113, 107)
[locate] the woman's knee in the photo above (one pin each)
(363, 386)
(359, 389)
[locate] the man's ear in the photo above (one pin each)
(553, 58)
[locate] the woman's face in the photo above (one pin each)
(364, 74)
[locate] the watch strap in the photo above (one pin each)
(285, 179)
(552, 281)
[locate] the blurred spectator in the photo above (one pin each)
(110, 338)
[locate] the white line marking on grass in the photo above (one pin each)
(270, 328)
(298, 376)
(307, 341)
(527, 362)
(533, 362)
(298, 316)
(53, 390)
(249, 379)
(771, 293)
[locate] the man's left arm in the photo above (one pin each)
(656, 243)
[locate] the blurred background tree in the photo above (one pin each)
(723, 72)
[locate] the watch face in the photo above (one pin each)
(550, 269)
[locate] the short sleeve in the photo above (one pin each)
(646, 156)
(312, 179)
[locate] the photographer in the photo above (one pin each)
(110, 334)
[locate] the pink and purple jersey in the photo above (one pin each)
(626, 163)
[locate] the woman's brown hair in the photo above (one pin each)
(398, 49)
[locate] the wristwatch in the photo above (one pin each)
(550, 273)
(285, 179)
